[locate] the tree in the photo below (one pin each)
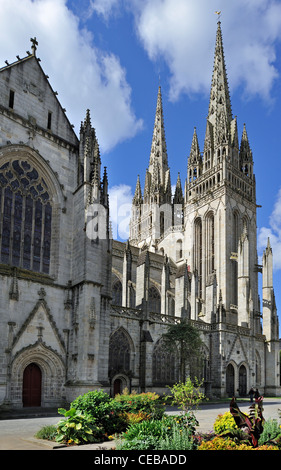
(186, 339)
(187, 395)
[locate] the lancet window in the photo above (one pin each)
(210, 244)
(25, 217)
(198, 252)
(154, 300)
(117, 293)
(164, 365)
(235, 234)
(119, 352)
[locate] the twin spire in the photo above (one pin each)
(221, 132)
(220, 105)
(221, 127)
(157, 179)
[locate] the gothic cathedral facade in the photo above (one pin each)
(80, 311)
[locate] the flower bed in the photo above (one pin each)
(138, 422)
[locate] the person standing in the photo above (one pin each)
(251, 393)
(256, 395)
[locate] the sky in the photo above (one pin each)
(110, 56)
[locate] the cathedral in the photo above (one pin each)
(80, 311)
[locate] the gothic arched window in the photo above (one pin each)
(179, 253)
(117, 293)
(198, 252)
(164, 365)
(235, 235)
(25, 217)
(210, 244)
(132, 300)
(154, 300)
(119, 352)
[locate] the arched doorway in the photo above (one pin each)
(31, 391)
(242, 381)
(230, 380)
(117, 387)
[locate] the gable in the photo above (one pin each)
(39, 327)
(237, 352)
(33, 98)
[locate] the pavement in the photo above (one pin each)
(17, 430)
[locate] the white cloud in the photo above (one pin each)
(95, 79)
(181, 32)
(273, 232)
(103, 7)
(120, 203)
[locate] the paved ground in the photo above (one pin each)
(18, 433)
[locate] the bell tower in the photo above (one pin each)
(220, 208)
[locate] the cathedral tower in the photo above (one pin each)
(220, 209)
(152, 211)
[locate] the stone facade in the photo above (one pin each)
(80, 311)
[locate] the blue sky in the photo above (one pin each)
(110, 56)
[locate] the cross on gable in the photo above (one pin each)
(34, 44)
(42, 293)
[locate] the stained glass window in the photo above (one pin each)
(154, 300)
(26, 217)
(164, 365)
(117, 293)
(119, 352)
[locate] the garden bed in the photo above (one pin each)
(138, 422)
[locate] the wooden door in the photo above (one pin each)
(117, 387)
(230, 380)
(242, 381)
(32, 379)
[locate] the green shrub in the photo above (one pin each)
(178, 438)
(169, 433)
(145, 428)
(146, 443)
(89, 402)
(107, 412)
(188, 394)
(149, 403)
(271, 431)
(47, 432)
(78, 428)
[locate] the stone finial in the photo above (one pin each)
(34, 45)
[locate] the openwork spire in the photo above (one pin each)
(220, 113)
(158, 154)
(138, 195)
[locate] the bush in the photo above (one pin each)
(91, 401)
(133, 418)
(271, 431)
(106, 412)
(187, 395)
(179, 438)
(220, 443)
(47, 432)
(149, 403)
(78, 428)
(224, 422)
(169, 433)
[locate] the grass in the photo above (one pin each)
(47, 432)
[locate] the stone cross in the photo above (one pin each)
(34, 44)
